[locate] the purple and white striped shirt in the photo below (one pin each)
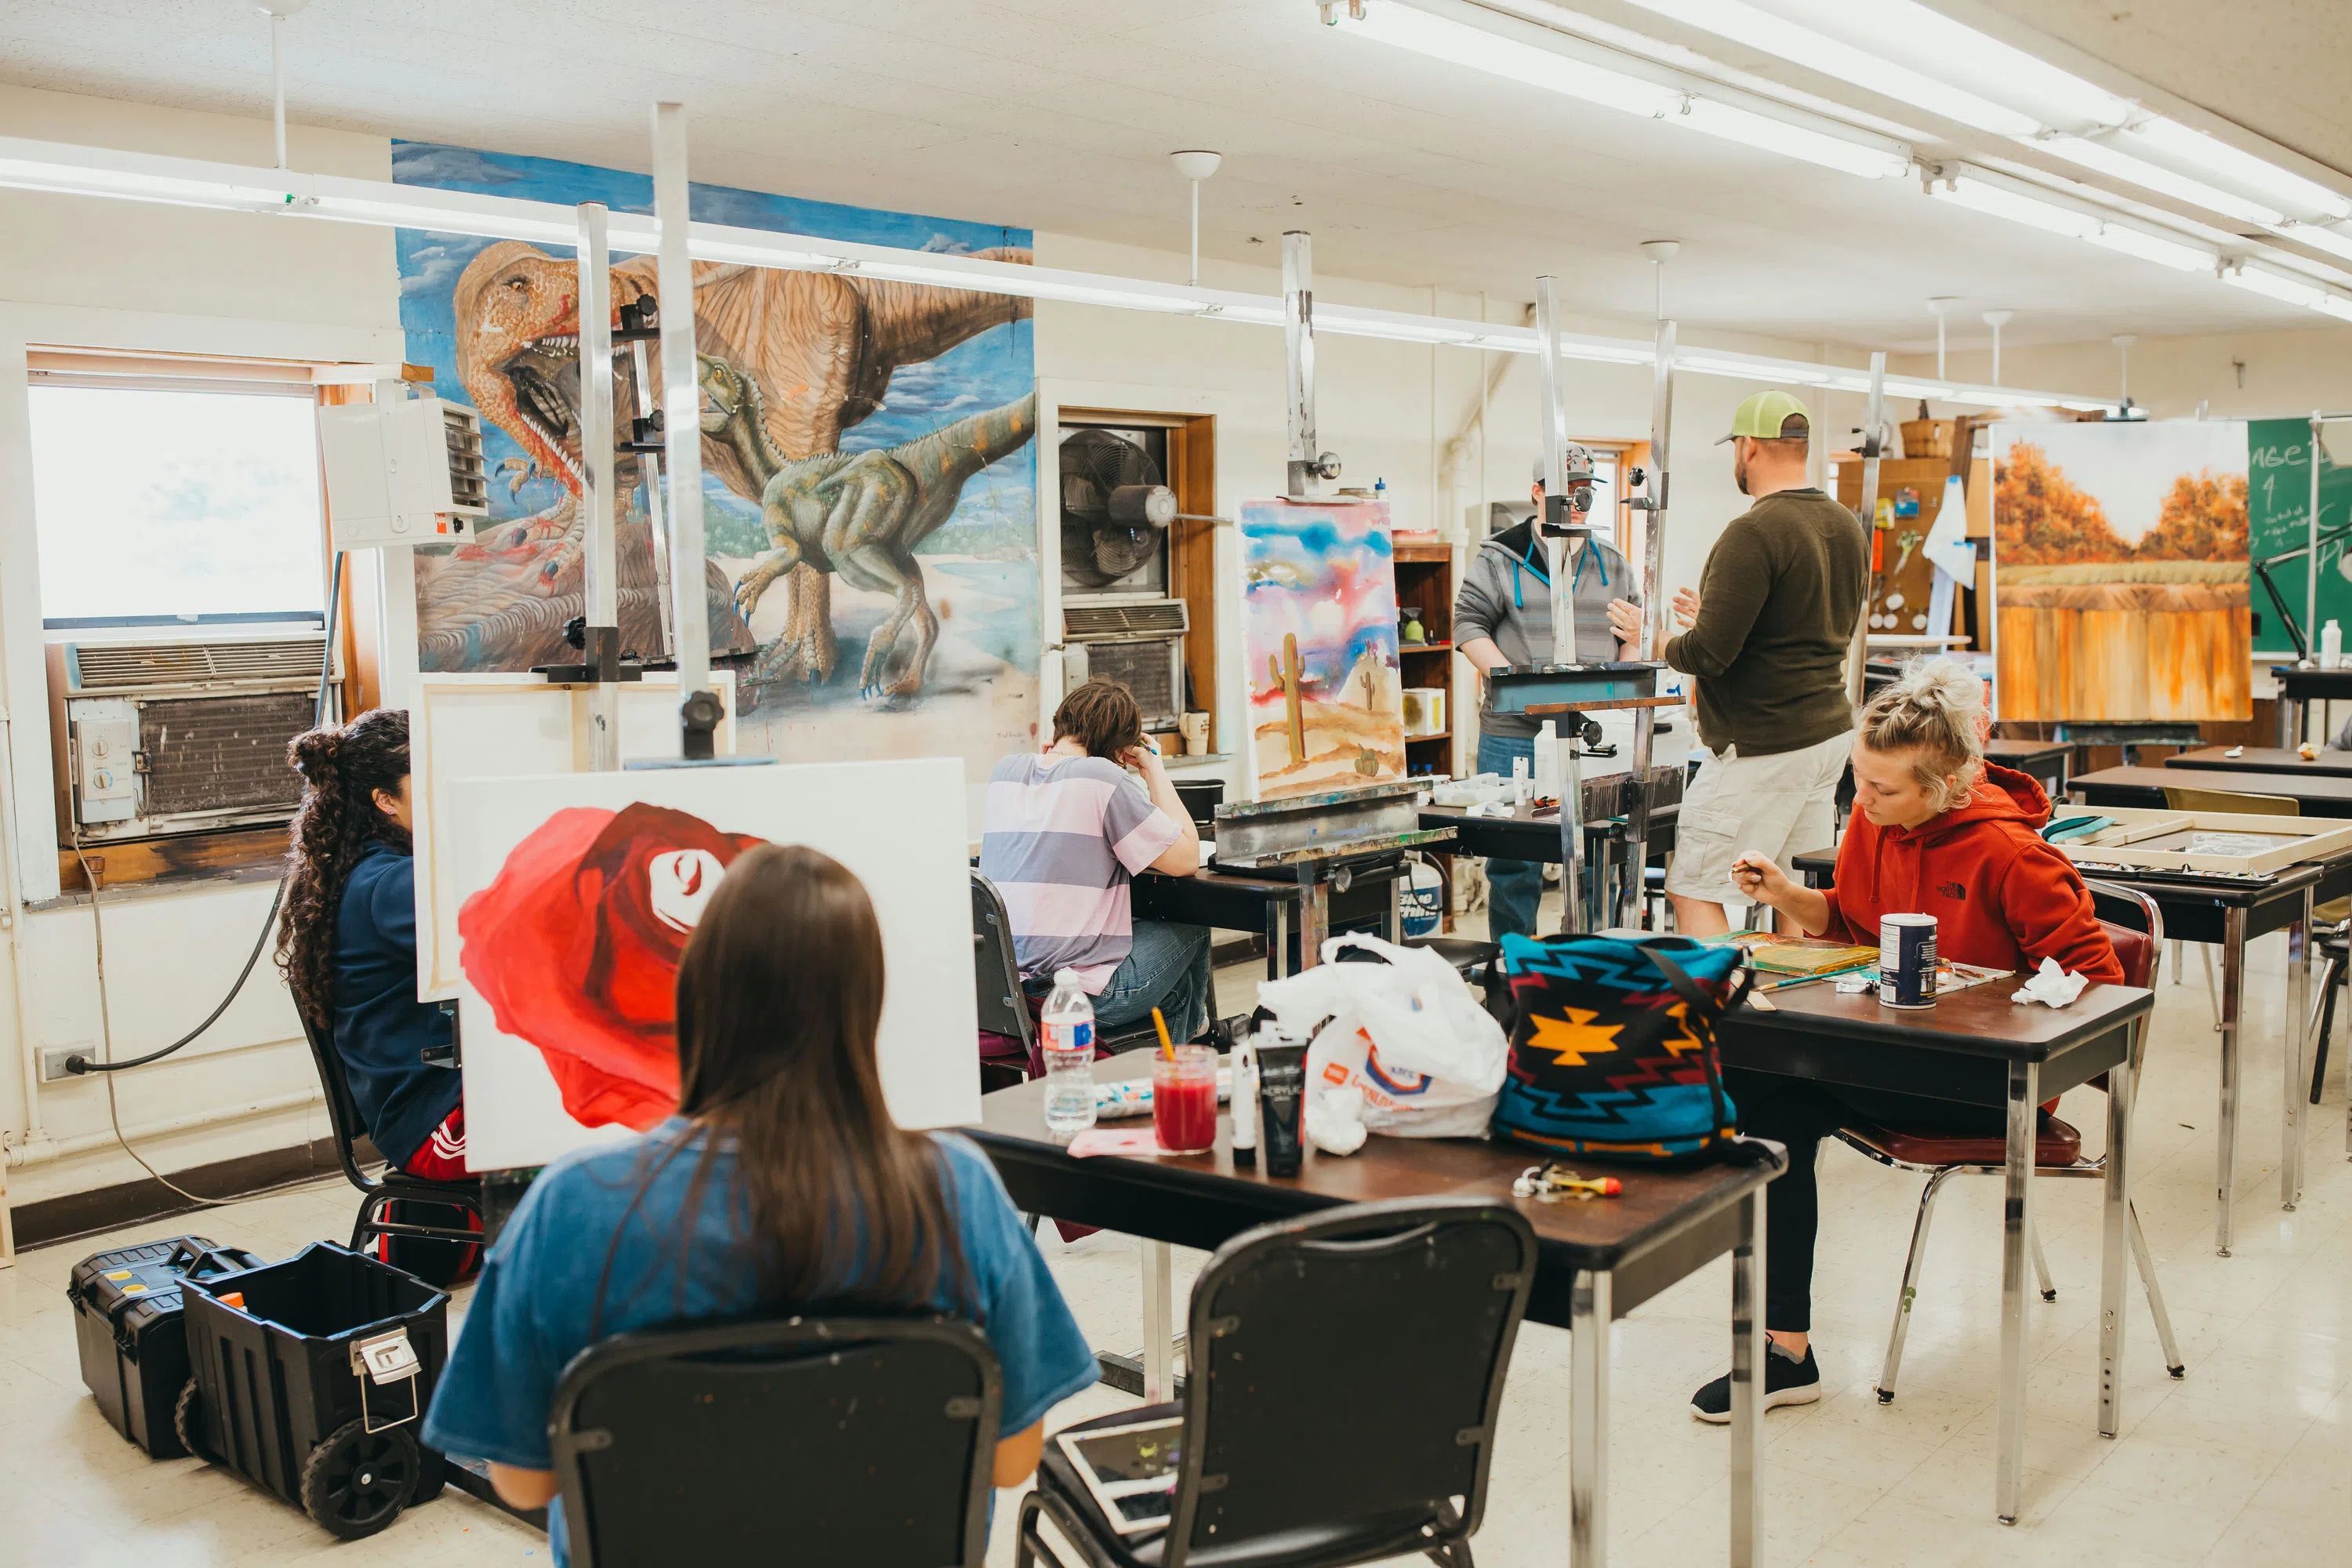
(1060, 836)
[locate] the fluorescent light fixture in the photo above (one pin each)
(1773, 34)
(2171, 139)
(2319, 237)
(2275, 286)
(1520, 60)
(2177, 253)
(2001, 201)
(2108, 159)
(1978, 63)
(1775, 135)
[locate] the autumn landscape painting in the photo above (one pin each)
(2120, 572)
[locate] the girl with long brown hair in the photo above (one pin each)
(348, 939)
(782, 1184)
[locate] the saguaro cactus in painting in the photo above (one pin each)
(1286, 675)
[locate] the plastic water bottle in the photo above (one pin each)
(2331, 647)
(1069, 1049)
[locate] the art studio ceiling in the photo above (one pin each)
(1057, 115)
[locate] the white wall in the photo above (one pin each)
(81, 273)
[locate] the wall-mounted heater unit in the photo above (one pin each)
(1118, 617)
(409, 472)
(151, 738)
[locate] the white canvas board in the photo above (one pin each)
(513, 726)
(899, 825)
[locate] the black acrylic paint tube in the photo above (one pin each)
(1282, 1103)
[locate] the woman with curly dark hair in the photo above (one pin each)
(348, 939)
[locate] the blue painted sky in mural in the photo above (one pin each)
(999, 506)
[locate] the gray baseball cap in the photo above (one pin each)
(1579, 464)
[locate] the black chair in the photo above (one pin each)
(1004, 1008)
(381, 1193)
(1311, 1439)
(808, 1440)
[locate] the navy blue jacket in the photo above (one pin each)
(381, 1028)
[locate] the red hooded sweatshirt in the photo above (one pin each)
(2003, 898)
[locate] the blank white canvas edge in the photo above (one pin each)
(536, 714)
(897, 824)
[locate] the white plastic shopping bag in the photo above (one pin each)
(1407, 1033)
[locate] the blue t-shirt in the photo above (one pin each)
(381, 1028)
(533, 1309)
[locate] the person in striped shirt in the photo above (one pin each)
(1063, 832)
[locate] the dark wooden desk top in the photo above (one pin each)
(2322, 795)
(2260, 759)
(2170, 896)
(1978, 1022)
(2301, 683)
(1655, 1205)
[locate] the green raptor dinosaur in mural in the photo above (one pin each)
(859, 515)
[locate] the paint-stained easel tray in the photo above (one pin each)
(2161, 839)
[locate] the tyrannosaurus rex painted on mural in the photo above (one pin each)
(821, 345)
(860, 514)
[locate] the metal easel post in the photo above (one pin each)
(1554, 415)
(2311, 561)
(600, 648)
(699, 707)
(649, 473)
(1308, 468)
(1631, 902)
(1874, 422)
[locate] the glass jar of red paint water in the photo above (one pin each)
(1185, 1099)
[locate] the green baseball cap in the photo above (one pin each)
(1764, 414)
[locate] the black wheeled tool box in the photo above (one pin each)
(312, 1383)
(130, 1325)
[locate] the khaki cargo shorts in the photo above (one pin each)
(1781, 805)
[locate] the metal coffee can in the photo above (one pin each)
(1906, 961)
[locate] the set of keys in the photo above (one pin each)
(1550, 1182)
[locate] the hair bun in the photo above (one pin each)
(314, 750)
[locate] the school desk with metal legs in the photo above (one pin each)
(1979, 1047)
(2229, 918)
(2047, 763)
(1294, 913)
(1596, 1261)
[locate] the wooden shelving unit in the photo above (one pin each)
(1424, 581)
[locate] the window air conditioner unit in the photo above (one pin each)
(1136, 641)
(151, 738)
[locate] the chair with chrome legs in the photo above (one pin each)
(2058, 1151)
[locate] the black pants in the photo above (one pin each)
(1799, 1113)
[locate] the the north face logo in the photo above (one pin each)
(1953, 890)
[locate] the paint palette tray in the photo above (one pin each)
(2211, 841)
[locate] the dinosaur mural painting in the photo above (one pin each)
(860, 514)
(932, 598)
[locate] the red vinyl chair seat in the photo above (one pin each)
(2059, 1144)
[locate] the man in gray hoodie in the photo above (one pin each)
(1502, 615)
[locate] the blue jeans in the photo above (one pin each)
(1514, 888)
(1167, 969)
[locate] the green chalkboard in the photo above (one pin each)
(2278, 517)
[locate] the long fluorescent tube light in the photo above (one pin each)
(1772, 35)
(2274, 286)
(67, 170)
(2302, 197)
(2000, 199)
(2108, 159)
(1516, 60)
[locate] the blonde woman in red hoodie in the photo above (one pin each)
(1938, 831)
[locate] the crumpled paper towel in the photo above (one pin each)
(1335, 1120)
(2050, 983)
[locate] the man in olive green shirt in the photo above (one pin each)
(1765, 639)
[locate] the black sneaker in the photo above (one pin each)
(1787, 1381)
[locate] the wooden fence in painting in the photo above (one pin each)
(2131, 642)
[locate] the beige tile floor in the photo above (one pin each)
(2249, 1461)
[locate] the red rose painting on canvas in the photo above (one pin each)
(575, 947)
